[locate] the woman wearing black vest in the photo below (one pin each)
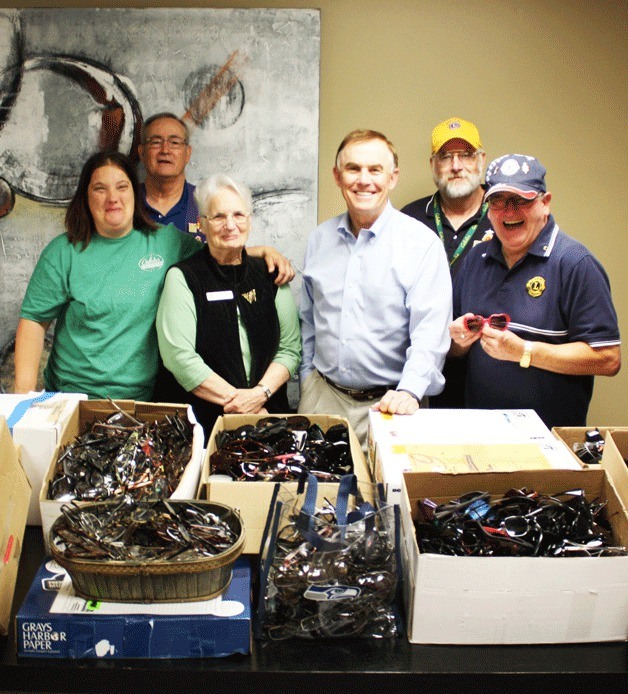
(228, 336)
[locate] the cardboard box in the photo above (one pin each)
(253, 499)
(36, 421)
(511, 600)
(460, 441)
(89, 411)
(55, 623)
(614, 460)
(569, 436)
(15, 492)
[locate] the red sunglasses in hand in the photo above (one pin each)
(499, 321)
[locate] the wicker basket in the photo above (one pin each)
(158, 581)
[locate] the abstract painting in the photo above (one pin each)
(73, 81)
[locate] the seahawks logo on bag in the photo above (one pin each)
(330, 593)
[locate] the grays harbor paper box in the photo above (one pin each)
(53, 622)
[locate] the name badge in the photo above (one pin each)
(219, 296)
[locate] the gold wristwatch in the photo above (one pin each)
(524, 362)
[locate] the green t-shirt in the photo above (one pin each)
(104, 299)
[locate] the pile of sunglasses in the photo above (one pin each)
(521, 523)
(279, 449)
(590, 451)
(128, 530)
(123, 455)
(318, 592)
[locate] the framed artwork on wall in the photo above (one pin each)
(73, 81)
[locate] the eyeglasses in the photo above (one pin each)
(498, 321)
(282, 449)
(220, 220)
(498, 202)
(521, 523)
(466, 156)
(158, 142)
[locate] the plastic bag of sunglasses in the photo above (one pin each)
(329, 567)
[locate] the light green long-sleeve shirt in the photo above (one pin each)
(176, 331)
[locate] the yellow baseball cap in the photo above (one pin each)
(452, 129)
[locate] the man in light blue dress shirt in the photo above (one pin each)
(376, 297)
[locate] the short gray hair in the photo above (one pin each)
(161, 116)
(209, 188)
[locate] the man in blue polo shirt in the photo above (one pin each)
(165, 152)
(561, 326)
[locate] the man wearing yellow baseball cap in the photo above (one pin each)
(457, 213)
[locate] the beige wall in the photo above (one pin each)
(544, 77)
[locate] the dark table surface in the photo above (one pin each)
(319, 666)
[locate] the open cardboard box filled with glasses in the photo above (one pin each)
(246, 489)
(508, 597)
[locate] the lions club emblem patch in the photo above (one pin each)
(535, 286)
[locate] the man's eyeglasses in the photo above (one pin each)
(157, 142)
(466, 156)
(498, 321)
(499, 202)
(219, 220)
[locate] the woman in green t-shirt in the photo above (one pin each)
(100, 282)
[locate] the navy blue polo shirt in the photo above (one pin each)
(557, 293)
(183, 215)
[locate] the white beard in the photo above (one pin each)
(458, 187)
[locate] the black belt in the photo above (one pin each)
(361, 395)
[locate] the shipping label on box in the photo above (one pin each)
(53, 622)
(15, 492)
(460, 441)
(89, 411)
(253, 499)
(510, 600)
(36, 421)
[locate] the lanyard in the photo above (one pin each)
(467, 237)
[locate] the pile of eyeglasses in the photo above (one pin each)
(521, 523)
(279, 449)
(590, 451)
(123, 455)
(343, 584)
(128, 530)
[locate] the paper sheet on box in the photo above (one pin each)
(468, 426)
(472, 457)
(67, 601)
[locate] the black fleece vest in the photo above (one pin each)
(252, 292)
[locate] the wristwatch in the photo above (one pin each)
(267, 391)
(524, 362)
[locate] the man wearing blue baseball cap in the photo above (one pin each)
(532, 307)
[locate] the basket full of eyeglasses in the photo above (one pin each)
(329, 565)
(148, 551)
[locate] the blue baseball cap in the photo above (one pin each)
(516, 173)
